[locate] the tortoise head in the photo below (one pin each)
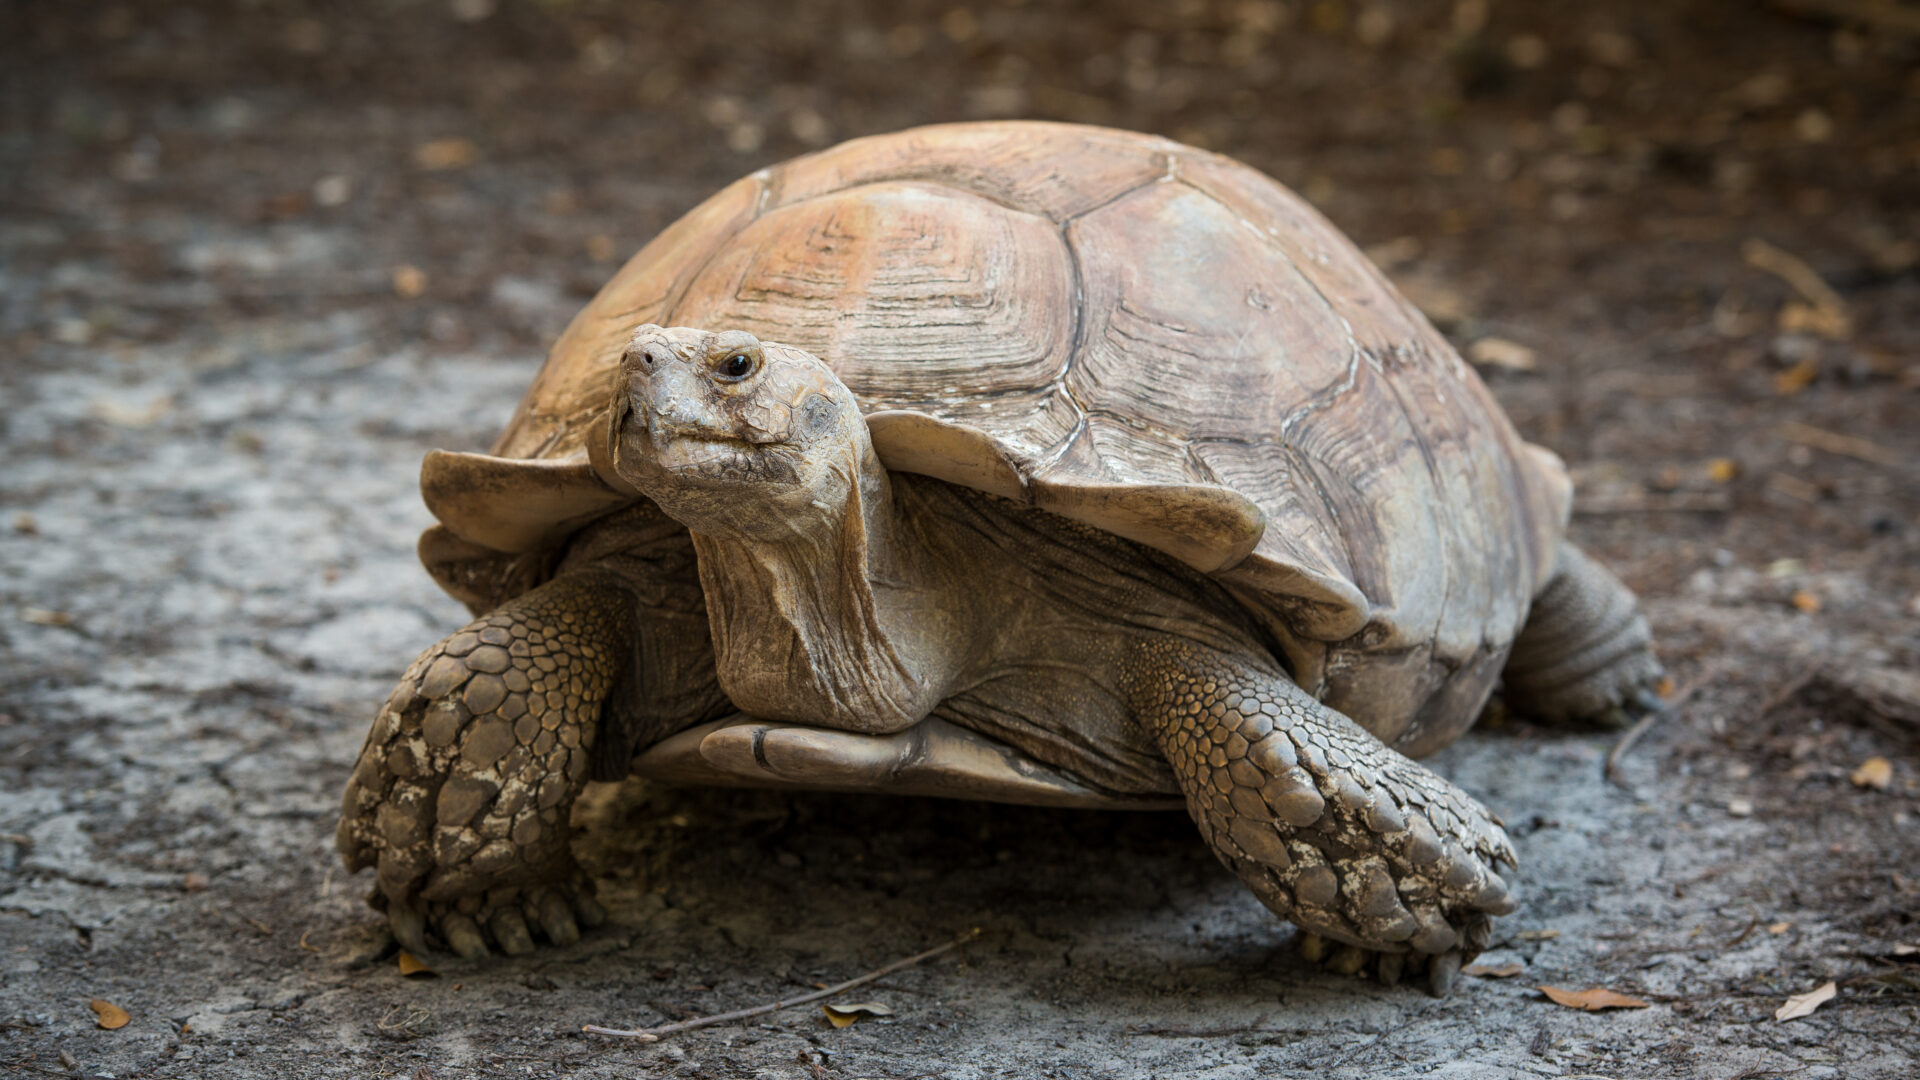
(737, 437)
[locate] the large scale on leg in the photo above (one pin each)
(1011, 461)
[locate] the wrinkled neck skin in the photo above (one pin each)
(827, 605)
(831, 612)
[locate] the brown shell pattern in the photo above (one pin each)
(1110, 310)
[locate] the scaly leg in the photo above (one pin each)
(463, 788)
(1585, 651)
(1331, 829)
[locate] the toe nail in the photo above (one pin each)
(1442, 972)
(1348, 960)
(1391, 965)
(409, 928)
(463, 937)
(510, 930)
(1313, 947)
(588, 910)
(556, 921)
(1493, 897)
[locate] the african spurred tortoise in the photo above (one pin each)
(1016, 461)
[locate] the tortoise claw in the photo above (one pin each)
(1347, 960)
(510, 931)
(1442, 970)
(409, 928)
(1647, 701)
(1391, 966)
(463, 937)
(549, 909)
(588, 910)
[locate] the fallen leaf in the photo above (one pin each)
(409, 281)
(1800, 1005)
(1796, 378)
(411, 965)
(195, 881)
(1722, 470)
(1496, 971)
(449, 153)
(1875, 773)
(46, 617)
(845, 1015)
(1501, 353)
(1779, 927)
(1592, 1000)
(1537, 935)
(1740, 807)
(108, 1015)
(1806, 601)
(1901, 948)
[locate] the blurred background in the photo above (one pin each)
(257, 256)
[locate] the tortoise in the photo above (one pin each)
(1027, 462)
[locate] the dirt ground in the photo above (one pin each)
(257, 257)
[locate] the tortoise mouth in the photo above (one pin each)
(715, 457)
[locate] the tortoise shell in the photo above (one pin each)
(1136, 334)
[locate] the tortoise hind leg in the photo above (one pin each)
(1331, 829)
(1585, 650)
(463, 788)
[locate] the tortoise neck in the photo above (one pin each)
(846, 623)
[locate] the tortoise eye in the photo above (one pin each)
(737, 366)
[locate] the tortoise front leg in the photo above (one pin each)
(1330, 828)
(463, 788)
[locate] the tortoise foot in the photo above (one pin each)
(1337, 833)
(1585, 654)
(465, 786)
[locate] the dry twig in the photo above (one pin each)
(655, 1034)
(1831, 319)
(1835, 443)
(1669, 708)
